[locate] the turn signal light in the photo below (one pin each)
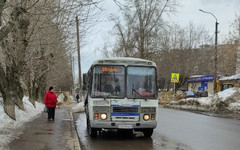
(153, 116)
(96, 115)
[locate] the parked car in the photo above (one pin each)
(190, 94)
(202, 94)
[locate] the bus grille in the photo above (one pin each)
(151, 110)
(101, 109)
(125, 114)
(125, 109)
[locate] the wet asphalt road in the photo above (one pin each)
(176, 130)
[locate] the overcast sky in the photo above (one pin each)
(188, 11)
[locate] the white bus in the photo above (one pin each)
(121, 94)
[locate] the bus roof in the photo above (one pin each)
(125, 60)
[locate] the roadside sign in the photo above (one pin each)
(175, 77)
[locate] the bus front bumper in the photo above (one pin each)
(123, 125)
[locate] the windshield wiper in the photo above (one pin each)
(106, 95)
(133, 90)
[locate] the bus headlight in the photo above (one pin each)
(103, 116)
(146, 117)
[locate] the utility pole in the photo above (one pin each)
(79, 59)
(73, 72)
(215, 50)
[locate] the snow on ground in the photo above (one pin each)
(228, 99)
(205, 100)
(234, 77)
(61, 97)
(78, 108)
(227, 93)
(235, 106)
(11, 129)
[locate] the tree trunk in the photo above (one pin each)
(41, 95)
(11, 90)
(31, 97)
(31, 92)
(18, 94)
(11, 96)
(14, 86)
(9, 107)
(34, 94)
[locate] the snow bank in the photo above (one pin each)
(61, 97)
(227, 100)
(11, 129)
(234, 106)
(72, 98)
(205, 100)
(79, 107)
(234, 77)
(226, 93)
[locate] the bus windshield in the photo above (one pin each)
(141, 82)
(108, 81)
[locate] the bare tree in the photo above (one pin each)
(235, 34)
(179, 51)
(14, 50)
(141, 19)
(229, 53)
(34, 42)
(237, 23)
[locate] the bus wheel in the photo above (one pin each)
(91, 131)
(147, 132)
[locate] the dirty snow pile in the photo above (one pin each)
(227, 100)
(9, 128)
(78, 108)
(61, 97)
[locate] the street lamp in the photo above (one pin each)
(215, 56)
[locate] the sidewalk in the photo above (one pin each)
(43, 135)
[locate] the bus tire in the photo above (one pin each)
(91, 131)
(147, 132)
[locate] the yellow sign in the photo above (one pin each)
(175, 77)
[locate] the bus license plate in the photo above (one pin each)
(124, 126)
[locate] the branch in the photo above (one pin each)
(14, 16)
(5, 30)
(32, 5)
(120, 5)
(2, 3)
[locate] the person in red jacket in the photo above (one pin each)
(50, 101)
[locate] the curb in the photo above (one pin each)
(76, 142)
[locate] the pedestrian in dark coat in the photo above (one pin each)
(77, 97)
(50, 101)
